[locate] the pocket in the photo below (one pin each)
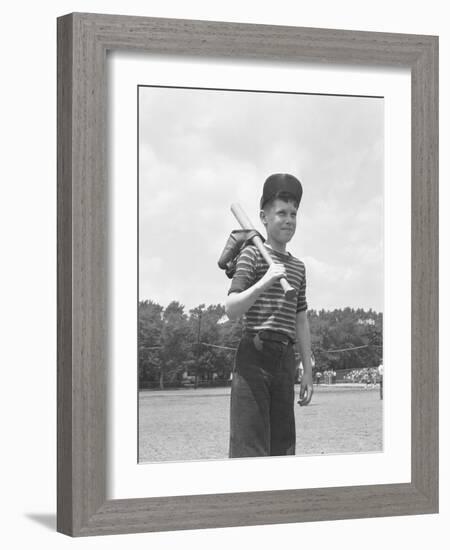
(291, 363)
(273, 349)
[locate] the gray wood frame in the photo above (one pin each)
(83, 40)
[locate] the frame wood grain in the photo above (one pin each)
(83, 41)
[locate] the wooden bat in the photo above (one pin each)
(245, 223)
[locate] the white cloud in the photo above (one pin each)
(154, 264)
(200, 151)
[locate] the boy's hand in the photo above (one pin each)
(273, 274)
(306, 389)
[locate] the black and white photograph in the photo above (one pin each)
(261, 273)
(226, 222)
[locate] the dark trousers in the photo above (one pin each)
(262, 421)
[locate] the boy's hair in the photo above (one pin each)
(283, 196)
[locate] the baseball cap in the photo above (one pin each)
(281, 183)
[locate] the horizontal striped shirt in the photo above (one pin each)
(271, 311)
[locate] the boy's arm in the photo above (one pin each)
(238, 303)
(304, 348)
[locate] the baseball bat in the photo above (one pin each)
(246, 223)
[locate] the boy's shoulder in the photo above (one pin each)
(250, 252)
(294, 264)
(250, 257)
(290, 258)
(296, 260)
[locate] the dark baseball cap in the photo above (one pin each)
(281, 183)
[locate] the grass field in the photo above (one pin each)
(190, 424)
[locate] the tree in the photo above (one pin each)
(175, 343)
(149, 338)
(207, 333)
(345, 329)
(204, 341)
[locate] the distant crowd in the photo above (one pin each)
(368, 376)
(363, 376)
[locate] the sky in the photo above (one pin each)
(202, 150)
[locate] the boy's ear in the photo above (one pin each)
(262, 217)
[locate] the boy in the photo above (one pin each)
(262, 421)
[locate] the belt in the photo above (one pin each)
(272, 336)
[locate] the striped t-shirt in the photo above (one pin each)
(271, 311)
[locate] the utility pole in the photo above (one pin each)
(198, 347)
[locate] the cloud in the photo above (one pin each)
(337, 286)
(151, 264)
(200, 151)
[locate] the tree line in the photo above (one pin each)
(178, 347)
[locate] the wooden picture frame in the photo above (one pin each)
(83, 41)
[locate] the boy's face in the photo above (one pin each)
(280, 220)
